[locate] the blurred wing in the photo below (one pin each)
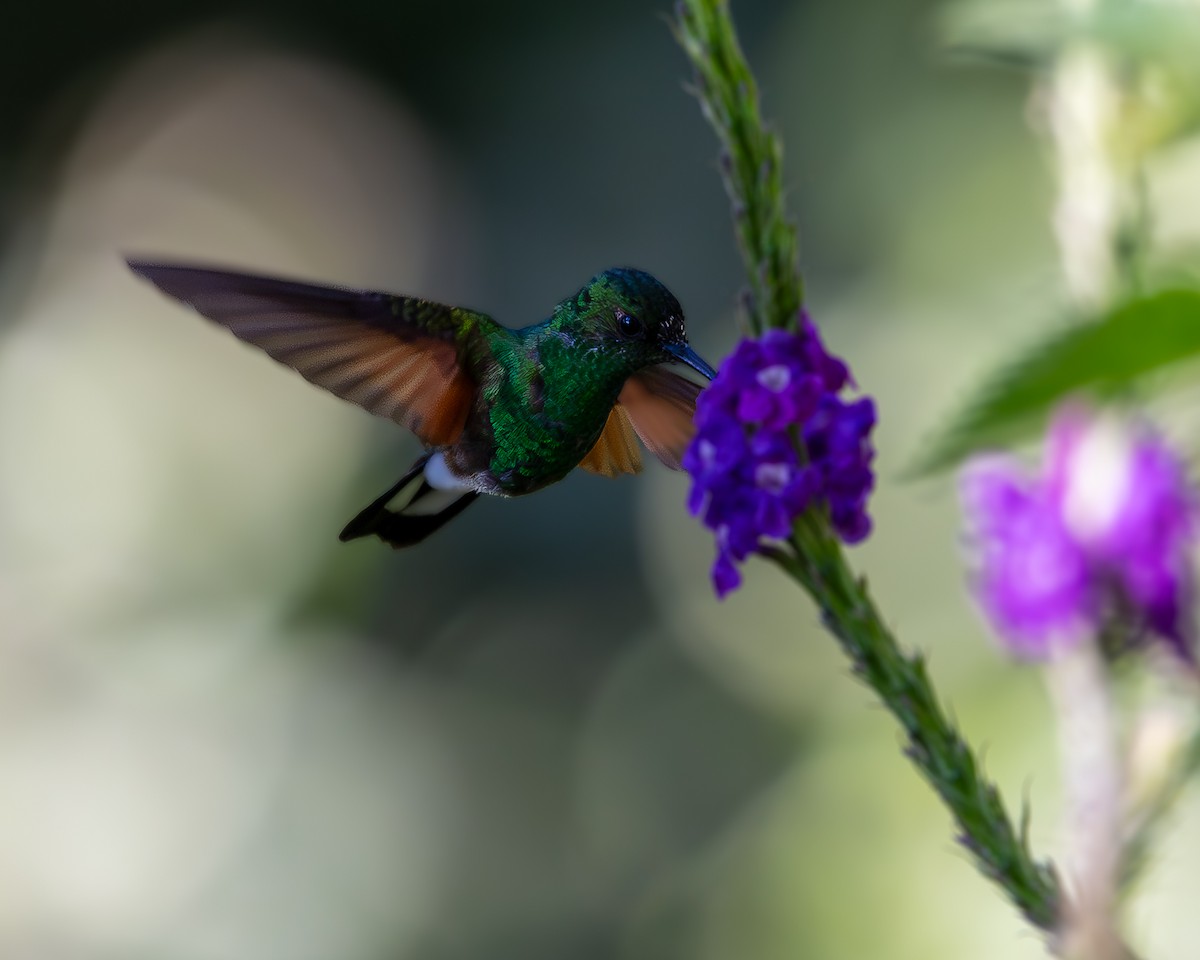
(616, 451)
(656, 405)
(660, 406)
(399, 357)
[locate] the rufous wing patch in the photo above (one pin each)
(417, 383)
(397, 357)
(616, 451)
(660, 406)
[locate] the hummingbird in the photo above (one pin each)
(500, 411)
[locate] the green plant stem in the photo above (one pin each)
(750, 168)
(933, 743)
(750, 160)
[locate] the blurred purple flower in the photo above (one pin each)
(1110, 525)
(749, 481)
(1033, 580)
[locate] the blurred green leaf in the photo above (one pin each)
(1157, 46)
(1163, 34)
(1100, 357)
(1015, 32)
(1167, 34)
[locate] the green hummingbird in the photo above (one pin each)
(500, 411)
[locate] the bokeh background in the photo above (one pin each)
(224, 735)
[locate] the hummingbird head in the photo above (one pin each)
(637, 319)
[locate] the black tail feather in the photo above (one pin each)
(402, 529)
(363, 523)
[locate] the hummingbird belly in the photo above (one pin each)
(534, 454)
(543, 454)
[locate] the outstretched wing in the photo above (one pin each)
(657, 405)
(402, 358)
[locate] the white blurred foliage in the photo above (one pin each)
(173, 776)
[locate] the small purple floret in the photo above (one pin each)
(838, 445)
(1109, 525)
(749, 482)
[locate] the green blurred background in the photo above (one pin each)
(225, 735)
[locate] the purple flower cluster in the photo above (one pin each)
(772, 436)
(1107, 529)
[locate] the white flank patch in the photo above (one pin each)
(438, 475)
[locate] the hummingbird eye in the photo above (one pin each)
(629, 326)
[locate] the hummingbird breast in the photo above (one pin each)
(538, 414)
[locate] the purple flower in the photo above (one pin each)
(833, 373)
(1111, 523)
(1033, 580)
(838, 445)
(749, 480)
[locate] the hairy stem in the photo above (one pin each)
(750, 166)
(1083, 114)
(751, 163)
(1091, 771)
(933, 743)
(1086, 216)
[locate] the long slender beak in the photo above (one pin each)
(685, 354)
